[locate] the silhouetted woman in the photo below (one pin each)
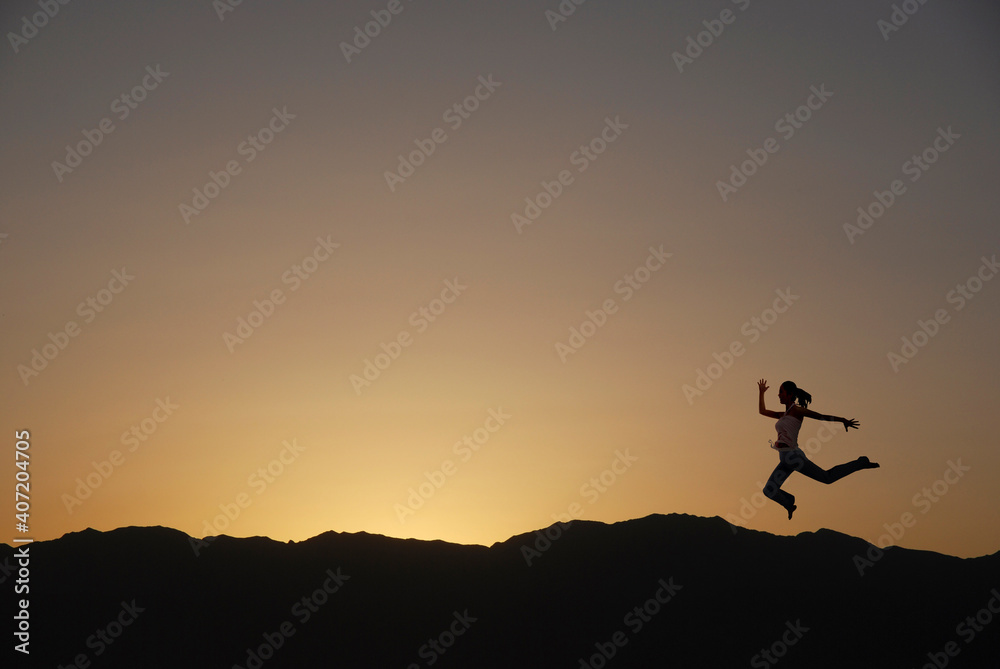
(792, 459)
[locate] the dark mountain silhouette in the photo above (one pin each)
(707, 596)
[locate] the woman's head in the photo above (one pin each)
(788, 392)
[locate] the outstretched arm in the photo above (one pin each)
(848, 422)
(762, 385)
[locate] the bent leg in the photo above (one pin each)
(772, 488)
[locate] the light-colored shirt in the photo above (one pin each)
(788, 432)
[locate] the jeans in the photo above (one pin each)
(795, 460)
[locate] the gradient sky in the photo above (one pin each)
(619, 399)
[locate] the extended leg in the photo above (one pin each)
(813, 471)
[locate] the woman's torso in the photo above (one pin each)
(788, 431)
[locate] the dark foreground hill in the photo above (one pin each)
(661, 591)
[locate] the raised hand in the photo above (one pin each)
(762, 385)
(850, 422)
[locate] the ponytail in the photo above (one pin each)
(802, 398)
